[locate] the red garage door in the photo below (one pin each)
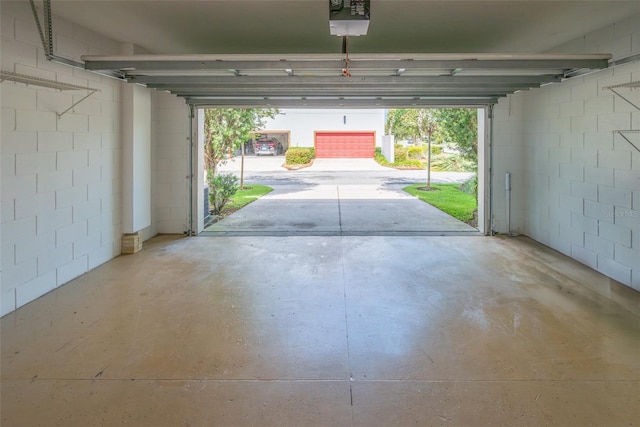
(345, 144)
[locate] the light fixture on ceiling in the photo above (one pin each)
(349, 17)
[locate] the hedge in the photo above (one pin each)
(299, 155)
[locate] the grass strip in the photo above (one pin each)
(446, 197)
(245, 196)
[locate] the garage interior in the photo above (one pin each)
(99, 143)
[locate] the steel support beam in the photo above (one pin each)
(338, 103)
(343, 81)
(330, 62)
(338, 94)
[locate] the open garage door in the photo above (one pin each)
(345, 144)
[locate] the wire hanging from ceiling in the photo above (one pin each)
(345, 50)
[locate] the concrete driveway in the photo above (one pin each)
(337, 197)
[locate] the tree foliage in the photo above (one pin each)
(225, 129)
(419, 124)
(459, 127)
(401, 123)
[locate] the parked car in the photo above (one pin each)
(267, 147)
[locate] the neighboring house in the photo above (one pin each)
(334, 133)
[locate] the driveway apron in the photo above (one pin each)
(345, 197)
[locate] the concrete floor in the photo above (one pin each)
(325, 331)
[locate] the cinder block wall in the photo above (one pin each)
(171, 147)
(60, 176)
(576, 185)
(61, 197)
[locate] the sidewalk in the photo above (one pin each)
(336, 165)
(274, 163)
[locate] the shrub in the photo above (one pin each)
(400, 154)
(401, 160)
(470, 186)
(380, 159)
(410, 164)
(414, 153)
(222, 187)
(452, 163)
(435, 149)
(300, 155)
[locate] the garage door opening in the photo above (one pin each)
(344, 192)
(268, 143)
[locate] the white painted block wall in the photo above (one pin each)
(171, 147)
(61, 190)
(136, 158)
(303, 122)
(60, 176)
(575, 184)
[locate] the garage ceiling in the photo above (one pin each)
(280, 53)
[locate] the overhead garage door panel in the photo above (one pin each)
(345, 144)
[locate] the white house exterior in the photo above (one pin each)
(305, 125)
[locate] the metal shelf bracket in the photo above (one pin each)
(52, 84)
(632, 85)
(623, 132)
(91, 92)
(627, 131)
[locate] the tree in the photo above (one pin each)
(401, 123)
(225, 129)
(427, 125)
(459, 126)
(419, 124)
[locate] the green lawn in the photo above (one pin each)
(243, 197)
(448, 198)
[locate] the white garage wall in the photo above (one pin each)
(170, 130)
(576, 186)
(302, 123)
(60, 188)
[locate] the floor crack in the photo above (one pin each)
(351, 394)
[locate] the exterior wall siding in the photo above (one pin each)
(302, 123)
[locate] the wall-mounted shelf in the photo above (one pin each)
(624, 132)
(631, 85)
(52, 84)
